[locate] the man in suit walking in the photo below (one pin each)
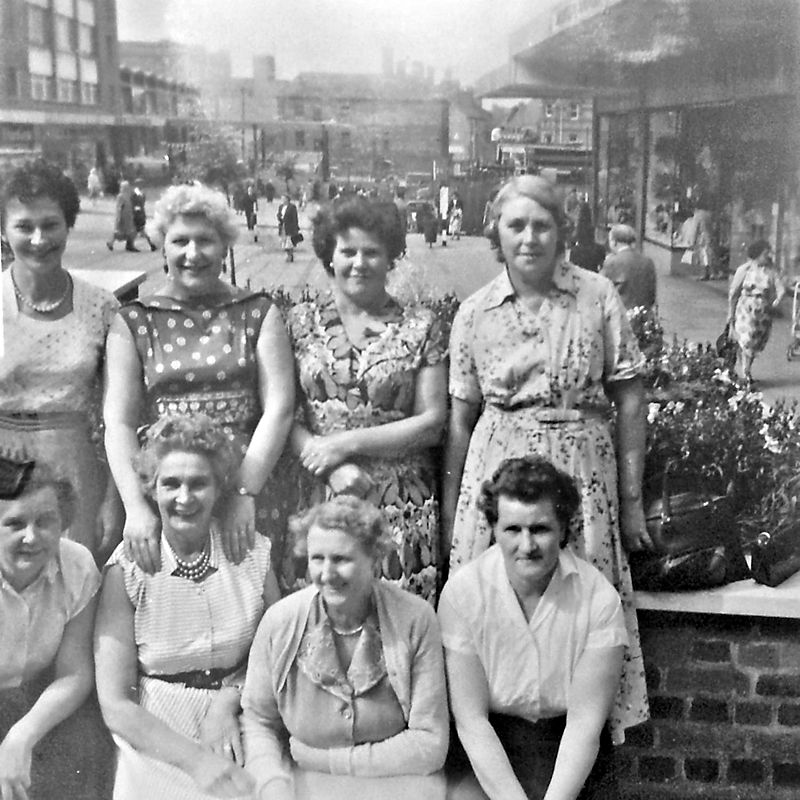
(632, 273)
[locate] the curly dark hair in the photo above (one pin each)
(351, 515)
(758, 247)
(184, 433)
(379, 218)
(530, 479)
(38, 475)
(534, 187)
(40, 179)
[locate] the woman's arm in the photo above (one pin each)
(594, 687)
(117, 689)
(628, 397)
(121, 408)
(469, 704)
(463, 417)
(74, 677)
(418, 750)
(276, 391)
(423, 428)
(735, 290)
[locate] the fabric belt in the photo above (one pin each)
(552, 416)
(44, 421)
(201, 678)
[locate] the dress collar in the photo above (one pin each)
(165, 302)
(565, 279)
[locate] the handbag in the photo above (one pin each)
(688, 256)
(776, 557)
(725, 347)
(695, 543)
(297, 238)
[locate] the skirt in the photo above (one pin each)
(532, 748)
(583, 448)
(63, 441)
(753, 323)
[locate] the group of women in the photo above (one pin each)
(210, 395)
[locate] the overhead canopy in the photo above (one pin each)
(594, 44)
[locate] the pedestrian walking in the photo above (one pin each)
(139, 214)
(754, 295)
(269, 191)
(632, 272)
(250, 208)
(288, 226)
(94, 185)
(124, 228)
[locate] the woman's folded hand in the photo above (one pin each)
(15, 768)
(220, 731)
(217, 775)
(323, 453)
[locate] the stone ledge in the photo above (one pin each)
(742, 598)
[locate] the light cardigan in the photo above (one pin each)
(412, 649)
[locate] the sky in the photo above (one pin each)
(468, 36)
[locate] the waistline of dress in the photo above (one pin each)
(28, 422)
(552, 416)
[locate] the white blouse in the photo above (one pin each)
(529, 665)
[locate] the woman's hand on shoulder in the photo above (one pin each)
(323, 453)
(15, 767)
(220, 776)
(141, 535)
(239, 527)
(349, 479)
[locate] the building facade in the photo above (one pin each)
(59, 81)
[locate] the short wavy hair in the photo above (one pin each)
(36, 475)
(379, 218)
(530, 479)
(195, 200)
(534, 187)
(38, 179)
(184, 433)
(756, 248)
(351, 515)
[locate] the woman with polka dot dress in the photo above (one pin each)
(200, 345)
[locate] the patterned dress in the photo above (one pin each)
(183, 626)
(540, 378)
(50, 382)
(199, 357)
(753, 321)
(342, 387)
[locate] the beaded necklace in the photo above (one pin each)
(193, 570)
(41, 308)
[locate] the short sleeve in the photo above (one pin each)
(434, 348)
(463, 382)
(456, 631)
(261, 557)
(81, 576)
(132, 576)
(607, 623)
(622, 358)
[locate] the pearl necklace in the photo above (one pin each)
(193, 570)
(41, 308)
(352, 632)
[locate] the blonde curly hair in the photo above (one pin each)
(193, 200)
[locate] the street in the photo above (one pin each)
(690, 310)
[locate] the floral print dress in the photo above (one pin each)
(753, 321)
(540, 379)
(342, 387)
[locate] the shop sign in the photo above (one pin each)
(17, 135)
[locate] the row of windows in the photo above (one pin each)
(574, 110)
(61, 90)
(63, 33)
(137, 100)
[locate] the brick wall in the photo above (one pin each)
(725, 707)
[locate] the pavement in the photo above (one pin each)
(690, 310)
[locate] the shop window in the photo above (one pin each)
(89, 94)
(41, 87)
(65, 37)
(620, 169)
(663, 213)
(300, 139)
(67, 90)
(37, 25)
